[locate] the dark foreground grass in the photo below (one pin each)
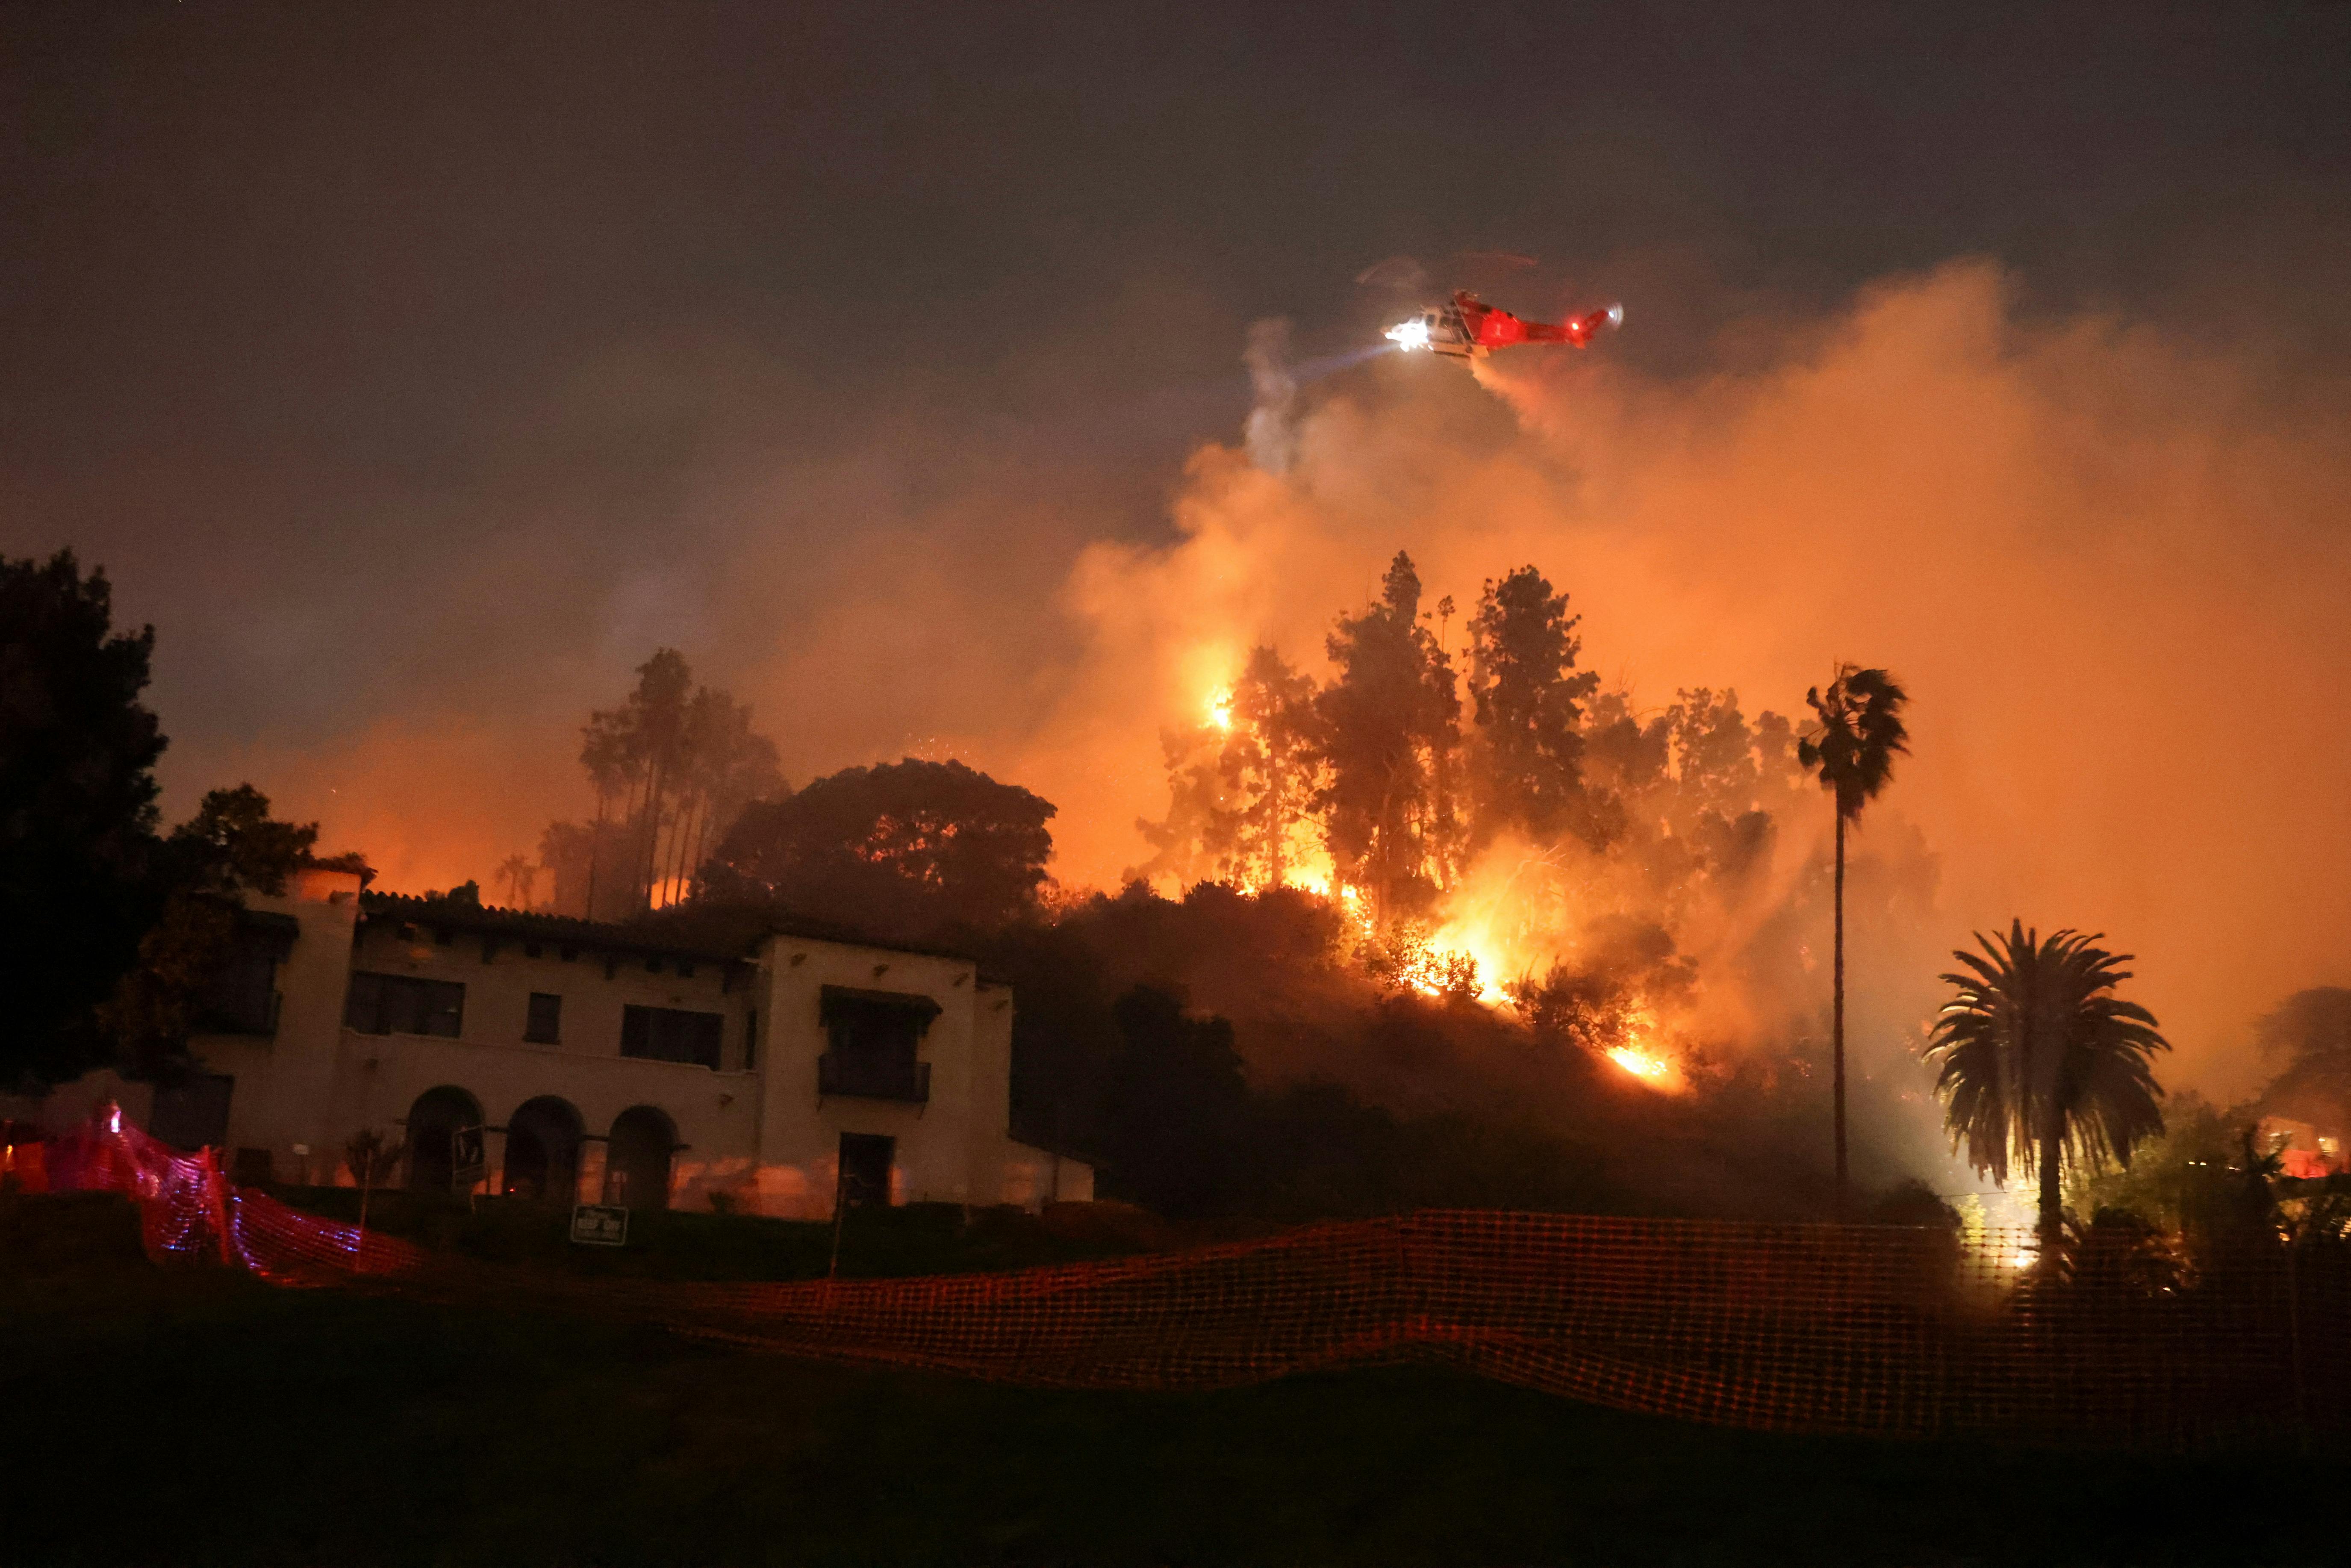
(165, 1418)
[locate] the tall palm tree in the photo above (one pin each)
(1851, 748)
(2040, 1061)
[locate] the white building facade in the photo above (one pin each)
(557, 1059)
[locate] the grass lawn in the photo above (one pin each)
(200, 1418)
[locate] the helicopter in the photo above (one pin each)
(1464, 327)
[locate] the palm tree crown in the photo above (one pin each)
(2040, 1061)
(1860, 734)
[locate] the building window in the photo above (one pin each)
(874, 1037)
(865, 1162)
(545, 1026)
(750, 1038)
(403, 1004)
(670, 1034)
(241, 998)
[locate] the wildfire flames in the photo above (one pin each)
(1489, 943)
(1641, 1064)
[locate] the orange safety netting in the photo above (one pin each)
(1850, 1329)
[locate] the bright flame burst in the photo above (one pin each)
(1642, 1058)
(1409, 335)
(1220, 710)
(1641, 1064)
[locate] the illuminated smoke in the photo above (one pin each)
(1272, 443)
(2100, 554)
(2077, 541)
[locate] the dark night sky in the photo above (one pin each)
(389, 357)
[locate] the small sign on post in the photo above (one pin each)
(599, 1225)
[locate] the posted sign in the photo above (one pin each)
(599, 1225)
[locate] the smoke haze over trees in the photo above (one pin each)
(672, 769)
(416, 402)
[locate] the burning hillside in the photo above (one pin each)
(2102, 527)
(1493, 827)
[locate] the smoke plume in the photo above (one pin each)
(2107, 560)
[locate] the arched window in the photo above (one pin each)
(433, 1125)
(543, 1151)
(636, 1163)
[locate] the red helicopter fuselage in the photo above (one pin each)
(1465, 327)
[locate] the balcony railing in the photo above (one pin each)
(869, 1078)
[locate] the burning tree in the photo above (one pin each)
(1483, 862)
(1197, 839)
(1529, 699)
(1241, 785)
(1273, 763)
(1392, 723)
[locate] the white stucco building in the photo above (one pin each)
(604, 1064)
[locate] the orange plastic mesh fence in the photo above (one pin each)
(1850, 1329)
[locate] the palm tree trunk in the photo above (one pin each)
(633, 823)
(683, 842)
(689, 853)
(656, 787)
(1836, 1038)
(595, 842)
(2052, 1202)
(664, 871)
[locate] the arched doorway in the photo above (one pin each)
(636, 1163)
(433, 1125)
(543, 1151)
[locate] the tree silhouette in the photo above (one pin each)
(607, 754)
(232, 846)
(78, 883)
(1391, 721)
(903, 849)
(681, 762)
(1851, 748)
(2040, 1062)
(1197, 841)
(1528, 700)
(517, 873)
(1178, 1111)
(655, 721)
(1272, 761)
(1241, 785)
